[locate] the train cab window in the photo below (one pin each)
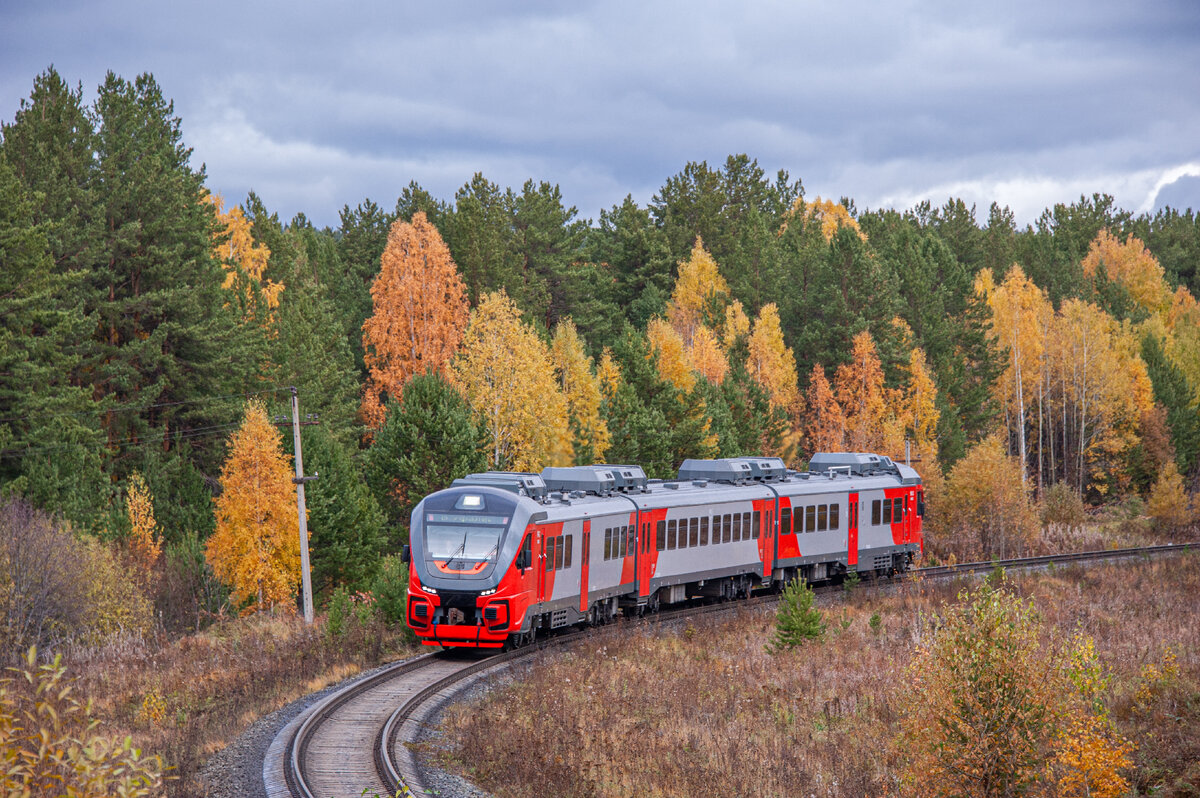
(671, 533)
(785, 521)
(887, 511)
(898, 509)
(569, 540)
(835, 516)
(756, 529)
(660, 535)
(694, 533)
(704, 530)
(876, 513)
(810, 518)
(527, 547)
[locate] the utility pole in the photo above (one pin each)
(305, 575)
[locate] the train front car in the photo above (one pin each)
(467, 576)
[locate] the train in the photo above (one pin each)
(499, 558)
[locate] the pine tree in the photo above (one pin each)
(50, 441)
(796, 621)
(256, 547)
(420, 312)
(345, 522)
(427, 440)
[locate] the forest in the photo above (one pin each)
(151, 332)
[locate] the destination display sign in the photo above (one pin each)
(452, 518)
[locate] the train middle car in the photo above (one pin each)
(500, 557)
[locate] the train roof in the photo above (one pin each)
(561, 493)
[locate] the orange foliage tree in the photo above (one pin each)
(506, 373)
(420, 312)
(581, 389)
(825, 424)
(831, 215)
(858, 386)
(255, 549)
(737, 324)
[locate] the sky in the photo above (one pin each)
(315, 106)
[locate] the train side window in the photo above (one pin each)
(835, 516)
(887, 511)
(785, 520)
(920, 504)
(726, 528)
(560, 551)
(876, 513)
(822, 517)
(608, 543)
(660, 535)
(694, 533)
(631, 540)
(898, 509)
(756, 528)
(737, 527)
(671, 533)
(704, 530)
(746, 526)
(570, 541)
(548, 552)
(810, 518)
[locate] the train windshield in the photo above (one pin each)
(463, 545)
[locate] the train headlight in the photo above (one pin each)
(429, 590)
(488, 592)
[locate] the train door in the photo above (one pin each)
(539, 565)
(852, 532)
(766, 546)
(584, 562)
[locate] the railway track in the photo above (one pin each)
(352, 743)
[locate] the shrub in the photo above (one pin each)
(797, 620)
(52, 745)
(391, 591)
(985, 510)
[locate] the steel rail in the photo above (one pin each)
(385, 740)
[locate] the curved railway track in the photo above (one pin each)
(352, 743)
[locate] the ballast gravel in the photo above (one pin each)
(236, 771)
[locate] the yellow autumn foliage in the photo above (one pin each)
(581, 389)
(506, 373)
(255, 549)
(707, 356)
(771, 363)
(144, 544)
(700, 292)
(671, 354)
(235, 249)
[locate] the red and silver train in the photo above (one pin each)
(499, 557)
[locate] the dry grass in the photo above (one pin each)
(187, 699)
(704, 709)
